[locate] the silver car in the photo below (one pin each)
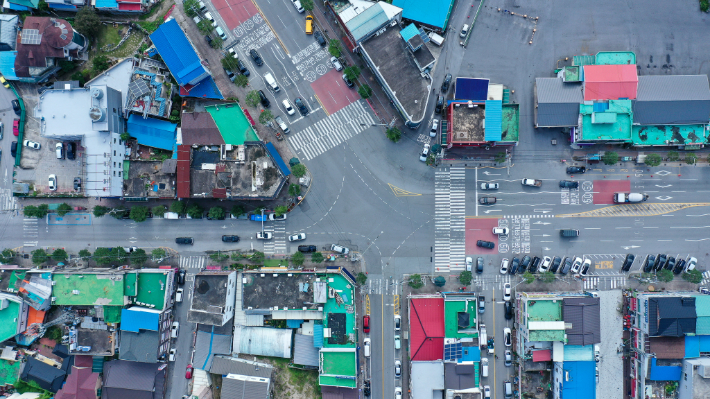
(297, 237)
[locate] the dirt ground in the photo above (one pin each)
(292, 383)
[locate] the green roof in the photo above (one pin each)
(613, 123)
(16, 276)
(9, 371)
(338, 368)
(544, 310)
(343, 287)
(452, 308)
(131, 284)
(511, 122)
(702, 308)
(151, 289)
(112, 314)
(571, 74)
(88, 289)
(669, 135)
(547, 335)
(233, 125)
(8, 320)
(615, 58)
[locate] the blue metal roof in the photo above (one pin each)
(17, 7)
(494, 120)
(471, 89)
(664, 373)
(582, 380)
(206, 88)
(318, 335)
(704, 343)
(277, 158)
(106, 4)
(409, 32)
(435, 13)
(7, 64)
(135, 320)
(152, 132)
(177, 52)
(57, 6)
(692, 346)
(367, 21)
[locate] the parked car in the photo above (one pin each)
(508, 358)
(439, 104)
(53, 182)
(504, 264)
(555, 264)
(489, 186)
(446, 84)
(525, 263)
(566, 265)
(13, 149)
(228, 238)
(469, 263)
(231, 75)
(690, 264)
(348, 81)
(481, 304)
(576, 170)
(171, 355)
(649, 263)
(507, 339)
(434, 128)
(2, 130)
(188, 372)
(425, 153)
(576, 265)
(71, 150)
(262, 98)
(679, 266)
(297, 4)
(628, 261)
(508, 310)
(366, 323)
(501, 231)
(16, 107)
(255, 56)
(209, 17)
(507, 291)
(319, 38)
(485, 244)
(397, 322)
(397, 341)
(264, 235)
(16, 127)
(59, 150)
(184, 240)
(670, 264)
(181, 276)
(178, 295)
(31, 144)
(272, 217)
(585, 267)
(397, 368)
(77, 184)
(479, 265)
(208, 39)
(336, 63)
(242, 68)
(534, 265)
(288, 107)
(568, 184)
(398, 393)
(340, 249)
(546, 262)
(174, 329)
(302, 108)
(514, 266)
(660, 262)
(307, 248)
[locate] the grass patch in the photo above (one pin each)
(150, 26)
(275, 262)
(109, 35)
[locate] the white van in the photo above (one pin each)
(484, 367)
(221, 33)
(367, 347)
(209, 16)
(203, 7)
(271, 82)
(436, 39)
(178, 295)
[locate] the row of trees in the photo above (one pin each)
(102, 256)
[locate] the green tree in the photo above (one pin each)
(665, 276)
(43, 6)
(361, 278)
(252, 98)
(7, 256)
(99, 64)
(317, 257)
(500, 157)
(365, 91)
(297, 259)
(60, 255)
(241, 81)
(430, 159)
(39, 256)
(704, 5)
(177, 207)
(465, 277)
(528, 277)
(298, 170)
(294, 190)
(280, 210)
(101, 210)
(394, 134)
(191, 8)
(547, 277)
(87, 22)
(691, 158)
(217, 42)
(102, 256)
(119, 212)
(694, 276)
(85, 254)
(205, 27)
(159, 211)
(265, 117)
(125, 136)
(257, 257)
(352, 72)
(307, 5)
(334, 48)
(610, 158)
(139, 213)
(139, 257)
(158, 253)
(229, 63)
(237, 210)
(653, 160)
(195, 211)
(216, 212)
(39, 211)
(415, 281)
(673, 156)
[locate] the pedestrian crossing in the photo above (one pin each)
(488, 282)
(193, 262)
(450, 220)
(391, 286)
(527, 216)
(7, 201)
(279, 237)
(604, 282)
(30, 230)
(329, 132)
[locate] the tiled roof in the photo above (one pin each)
(81, 384)
(610, 82)
(426, 320)
(200, 128)
(224, 365)
(51, 45)
(672, 100)
(671, 316)
(583, 314)
(133, 380)
(668, 347)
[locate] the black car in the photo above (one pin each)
(264, 101)
(566, 265)
(555, 264)
(485, 244)
(77, 183)
(307, 248)
(71, 154)
(231, 75)
(670, 264)
(230, 238)
(184, 240)
(535, 264)
(585, 269)
(576, 169)
(508, 310)
(366, 388)
(242, 68)
(650, 262)
(181, 276)
(525, 263)
(319, 38)
(13, 149)
(439, 104)
(514, 265)
(208, 39)
(301, 106)
(255, 56)
(487, 200)
(660, 262)
(679, 266)
(16, 107)
(479, 265)
(446, 84)
(568, 184)
(348, 81)
(628, 261)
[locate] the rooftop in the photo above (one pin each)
(88, 287)
(133, 380)
(148, 179)
(209, 298)
(9, 371)
(468, 122)
(153, 287)
(99, 342)
(434, 14)
(606, 121)
(671, 316)
(672, 100)
(137, 318)
(152, 132)
(664, 135)
(615, 58)
(610, 82)
(363, 17)
(233, 365)
(557, 102)
(427, 379)
(47, 377)
(581, 383)
(263, 341)
(544, 309)
(702, 309)
(338, 367)
(511, 122)
(233, 125)
(583, 314)
(34, 288)
(461, 376)
(139, 347)
(41, 40)
(10, 276)
(668, 347)
(81, 384)
(178, 53)
(149, 91)
(460, 318)
(243, 387)
(11, 316)
(340, 313)
(283, 291)
(304, 351)
(426, 323)
(200, 128)
(207, 345)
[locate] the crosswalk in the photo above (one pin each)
(385, 286)
(604, 282)
(30, 232)
(497, 281)
(193, 262)
(450, 220)
(277, 244)
(332, 130)
(527, 216)
(7, 201)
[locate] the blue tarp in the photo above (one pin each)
(692, 346)
(177, 52)
(494, 120)
(152, 132)
(135, 320)
(471, 89)
(277, 158)
(582, 382)
(435, 13)
(7, 64)
(664, 373)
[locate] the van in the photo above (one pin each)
(221, 33)
(197, 19)
(282, 125)
(366, 347)
(309, 25)
(508, 389)
(209, 16)
(484, 367)
(202, 5)
(464, 30)
(569, 233)
(436, 39)
(178, 295)
(271, 82)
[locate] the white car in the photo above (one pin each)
(171, 355)
(297, 237)
(434, 127)
(489, 186)
(576, 265)
(506, 291)
(272, 217)
(209, 16)
(501, 231)
(486, 392)
(263, 235)
(31, 144)
(340, 249)
(52, 182)
(60, 150)
(397, 341)
(397, 322)
(504, 266)
(174, 329)
(336, 64)
(506, 336)
(178, 295)
(288, 107)
(469, 263)
(546, 261)
(297, 4)
(398, 393)
(690, 265)
(425, 153)
(233, 53)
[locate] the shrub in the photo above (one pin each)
(39, 256)
(39, 211)
(465, 277)
(237, 210)
(177, 207)
(216, 212)
(691, 158)
(85, 254)
(415, 281)
(528, 277)
(240, 81)
(547, 277)
(87, 22)
(257, 257)
(195, 211)
(361, 278)
(99, 64)
(334, 48)
(665, 276)
(280, 210)
(500, 157)
(298, 258)
(7, 256)
(139, 257)
(298, 170)
(673, 156)
(294, 190)
(694, 276)
(139, 213)
(265, 117)
(158, 253)
(365, 91)
(252, 98)
(352, 72)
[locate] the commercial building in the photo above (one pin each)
(213, 298)
(133, 380)
(145, 334)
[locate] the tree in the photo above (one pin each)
(63, 209)
(158, 253)
(361, 278)
(60, 255)
(430, 159)
(139, 213)
(465, 277)
(191, 8)
(298, 258)
(298, 170)
(665, 276)
(265, 117)
(43, 6)
(352, 72)
(252, 98)
(365, 91)
(139, 257)
(229, 63)
(205, 27)
(694, 276)
(691, 158)
(704, 5)
(257, 257)
(39, 211)
(101, 210)
(610, 158)
(85, 254)
(237, 210)
(195, 211)
(394, 134)
(500, 157)
(177, 207)
(216, 42)
(39, 256)
(334, 48)
(547, 277)
(653, 160)
(415, 281)
(159, 211)
(7, 256)
(317, 257)
(87, 22)
(119, 212)
(528, 277)
(294, 190)
(99, 64)
(280, 210)
(216, 212)
(241, 81)
(102, 256)
(125, 136)
(307, 5)
(673, 156)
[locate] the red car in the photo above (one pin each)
(16, 127)
(188, 372)
(366, 323)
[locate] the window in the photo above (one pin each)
(119, 173)
(114, 139)
(114, 153)
(114, 164)
(114, 173)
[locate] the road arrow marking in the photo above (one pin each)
(544, 235)
(492, 210)
(542, 210)
(665, 198)
(670, 185)
(633, 246)
(538, 222)
(487, 173)
(546, 248)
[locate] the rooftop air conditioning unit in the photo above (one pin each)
(54, 283)
(54, 299)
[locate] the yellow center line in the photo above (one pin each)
(494, 344)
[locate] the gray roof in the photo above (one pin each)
(209, 298)
(328, 392)
(208, 345)
(583, 314)
(427, 377)
(671, 316)
(133, 380)
(557, 115)
(557, 102)
(243, 387)
(233, 365)
(672, 100)
(459, 376)
(671, 112)
(139, 347)
(8, 31)
(304, 353)
(47, 377)
(263, 341)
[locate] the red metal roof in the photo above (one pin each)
(610, 82)
(183, 171)
(542, 356)
(129, 7)
(219, 193)
(426, 325)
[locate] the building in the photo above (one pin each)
(427, 330)
(359, 18)
(33, 286)
(213, 298)
(122, 6)
(8, 33)
(151, 288)
(462, 353)
(133, 380)
(13, 316)
(208, 345)
(224, 365)
(48, 377)
(82, 383)
(42, 43)
(557, 102)
(696, 379)
(88, 287)
(574, 379)
(149, 89)
(263, 341)
(152, 132)
(427, 379)
(432, 15)
(145, 334)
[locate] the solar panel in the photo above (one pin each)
(453, 351)
(31, 36)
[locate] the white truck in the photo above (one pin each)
(436, 39)
(532, 182)
(629, 198)
(483, 337)
(171, 215)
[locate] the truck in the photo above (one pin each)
(260, 218)
(483, 337)
(629, 198)
(532, 182)
(436, 39)
(171, 215)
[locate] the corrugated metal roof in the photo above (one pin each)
(671, 112)
(277, 158)
(106, 4)
(583, 314)
(554, 90)
(409, 32)
(318, 335)
(7, 64)
(241, 387)
(231, 365)
(183, 171)
(133, 319)
(367, 21)
(177, 52)
(557, 115)
(208, 345)
(8, 30)
(470, 89)
(206, 88)
(578, 353)
(264, 341)
(581, 383)
(152, 132)
(494, 120)
(610, 82)
(434, 13)
(673, 88)
(426, 320)
(304, 352)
